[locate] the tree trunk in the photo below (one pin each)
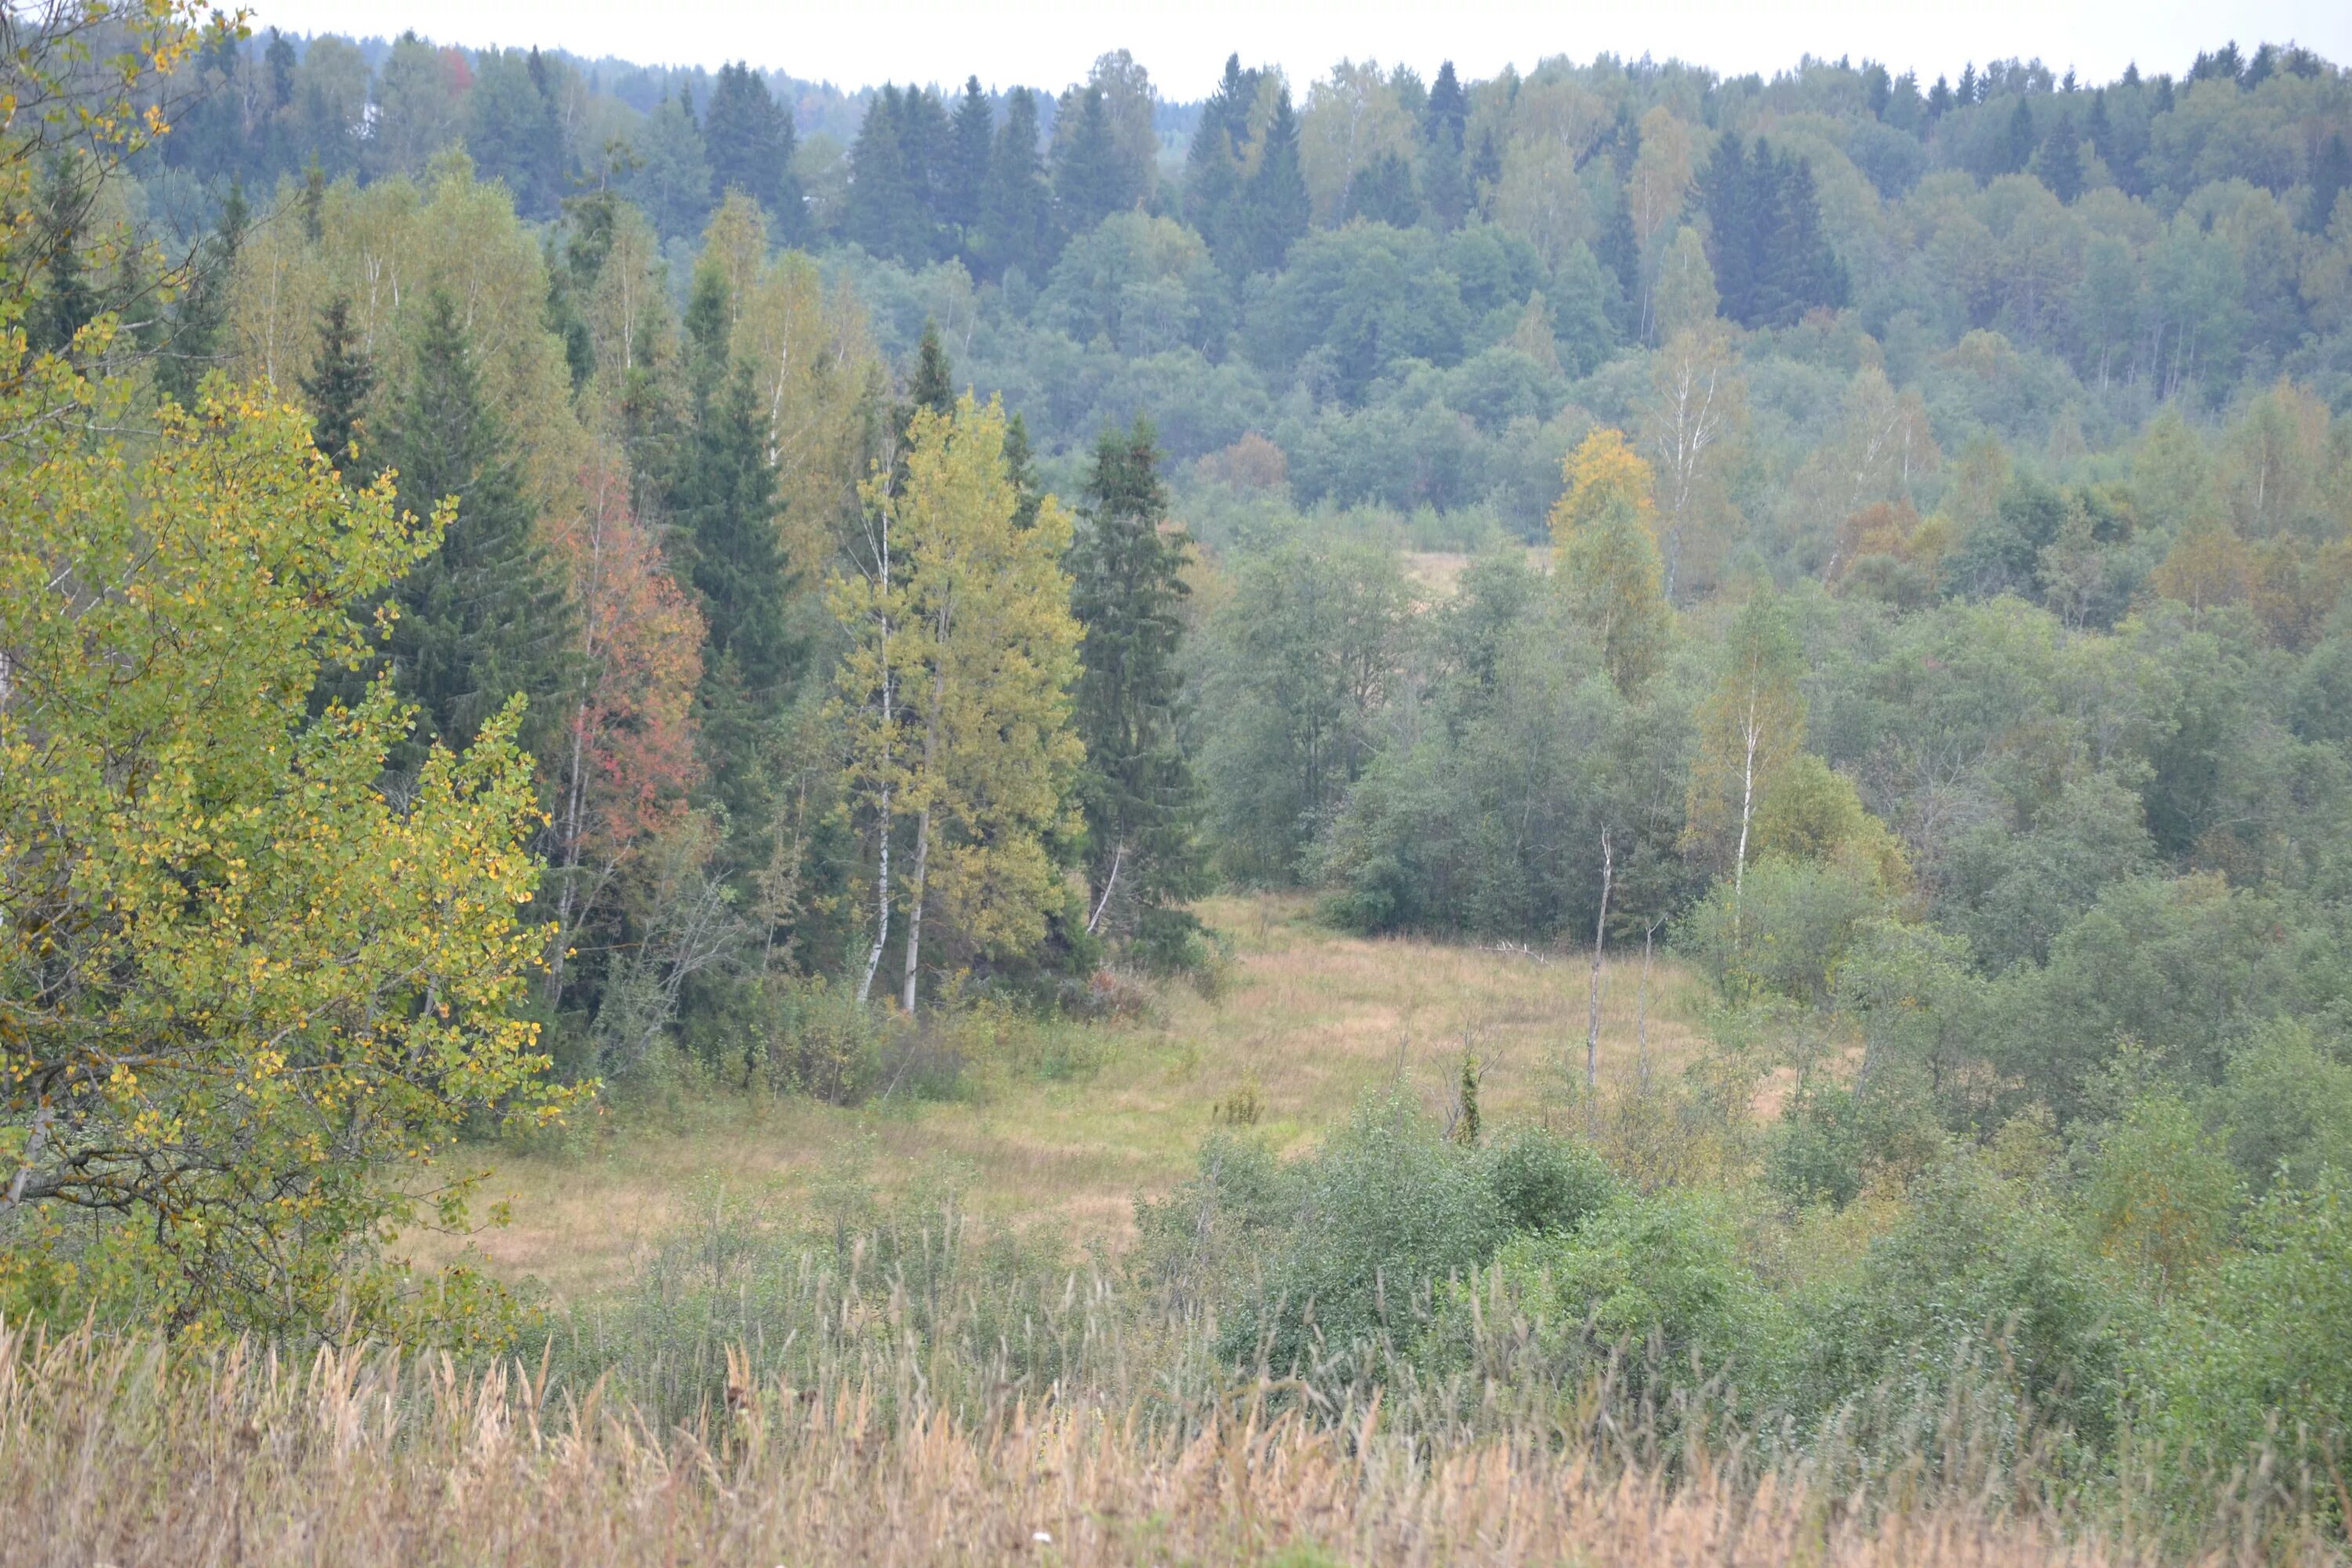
(1642, 1009)
(1752, 739)
(915, 907)
(1599, 941)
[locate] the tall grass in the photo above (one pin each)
(120, 1452)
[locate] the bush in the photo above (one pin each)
(1980, 1282)
(1657, 1279)
(1546, 1184)
(1368, 1226)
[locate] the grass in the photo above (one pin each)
(115, 1452)
(1308, 1018)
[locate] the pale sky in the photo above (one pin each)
(1184, 43)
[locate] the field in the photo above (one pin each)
(1305, 1022)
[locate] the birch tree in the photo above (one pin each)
(1750, 727)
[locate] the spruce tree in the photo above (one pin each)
(337, 388)
(2061, 163)
(1143, 862)
(483, 617)
(1088, 182)
(2331, 176)
(2018, 145)
(202, 308)
(932, 385)
(1015, 206)
(750, 139)
(1276, 202)
(1213, 166)
(889, 207)
(971, 141)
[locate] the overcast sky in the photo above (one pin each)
(1184, 43)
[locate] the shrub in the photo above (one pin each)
(1548, 1183)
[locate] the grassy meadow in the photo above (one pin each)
(1303, 1023)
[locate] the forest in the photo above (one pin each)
(548, 601)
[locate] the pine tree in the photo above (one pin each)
(971, 142)
(1089, 183)
(484, 618)
(1276, 200)
(1015, 206)
(337, 388)
(1143, 862)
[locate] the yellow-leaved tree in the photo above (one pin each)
(1604, 535)
(955, 695)
(245, 998)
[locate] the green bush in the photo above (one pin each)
(1546, 1184)
(1384, 1213)
(1983, 1291)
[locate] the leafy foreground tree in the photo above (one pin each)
(244, 1000)
(955, 694)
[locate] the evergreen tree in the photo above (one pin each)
(889, 207)
(2018, 143)
(2331, 176)
(2061, 163)
(1015, 206)
(1089, 182)
(1771, 260)
(750, 139)
(971, 142)
(483, 617)
(1277, 201)
(1382, 191)
(1142, 862)
(928, 137)
(932, 385)
(202, 308)
(1213, 166)
(1446, 118)
(63, 300)
(337, 388)
(1620, 253)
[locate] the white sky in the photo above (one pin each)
(1184, 43)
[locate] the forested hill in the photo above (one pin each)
(1422, 291)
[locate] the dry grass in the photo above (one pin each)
(1309, 1019)
(111, 1453)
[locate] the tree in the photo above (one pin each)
(1749, 727)
(338, 388)
(955, 694)
(243, 996)
(1276, 204)
(1089, 182)
(750, 142)
(889, 208)
(1602, 535)
(483, 618)
(1696, 408)
(1128, 588)
(2331, 176)
(971, 144)
(1015, 205)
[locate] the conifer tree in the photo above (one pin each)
(1142, 862)
(2061, 163)
(484, 616)
(197, 320)
(890, 199)
(971, 141)
(1212, 166)
(2331, 176)
(1089, 182)
(1276, 203)
(338, 386)
(932, 385)
(1015, 205)
(749, 140)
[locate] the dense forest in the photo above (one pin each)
(748, 567)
